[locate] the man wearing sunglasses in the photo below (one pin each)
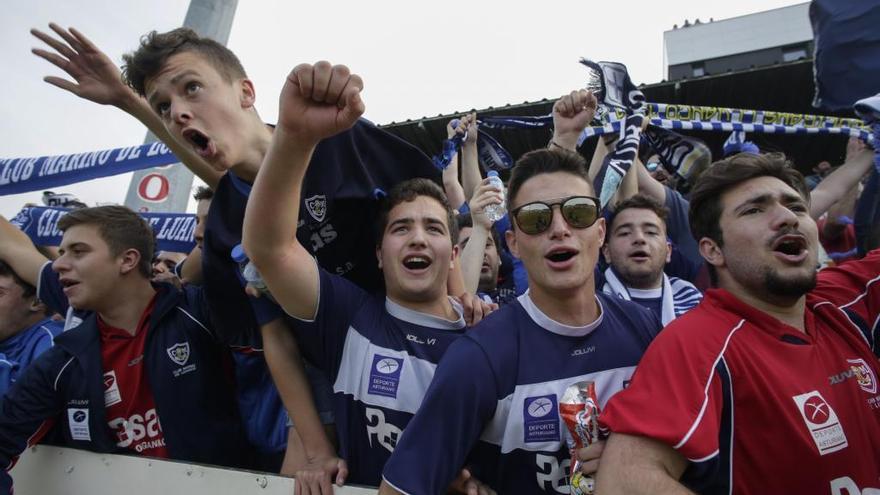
(493, 406)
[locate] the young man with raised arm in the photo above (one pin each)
(380, 352)
(194, 94)
(140, 369)
(770, 384)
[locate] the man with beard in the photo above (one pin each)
(636, 250)
(769, 385)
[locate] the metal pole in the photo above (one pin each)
(167, 189)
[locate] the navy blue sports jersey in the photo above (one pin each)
(336, 224)
(381, 358)
(494, 402)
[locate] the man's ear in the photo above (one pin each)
(248, 94)
(456, 251)
(510, 237)
(711, 252)
(129, 260)
(36, 306)
(606, 253)
(600, 223)
(668, 251)
(379, 256)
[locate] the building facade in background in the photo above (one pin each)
(701, 48)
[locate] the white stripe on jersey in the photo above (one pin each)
(705, 404)
(506, 429)
(51, 336)
(355, 370)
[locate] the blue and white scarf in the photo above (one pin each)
(677, 295)
(679, 154)
(492, 155)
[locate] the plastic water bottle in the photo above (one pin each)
(496, 212)
(248, 271)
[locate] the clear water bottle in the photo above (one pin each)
(496, 212)
(248, 271)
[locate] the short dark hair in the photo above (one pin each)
(409, 190)
(544, 161)
(464, 220)
(203, 193)
(120, 228)
(705, 205)
(27, 289)
(156, 48)
(642, 202)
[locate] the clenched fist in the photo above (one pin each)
(319, 101)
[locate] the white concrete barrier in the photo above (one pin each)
(46, 470)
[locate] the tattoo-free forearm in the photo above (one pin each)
(638, 465)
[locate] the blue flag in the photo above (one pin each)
(847, 51)
(18, 175)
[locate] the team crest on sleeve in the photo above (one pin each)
(541, 419)
(317, 207)
(179, 353)
(822, 422)
(864, 375)
(385, 375)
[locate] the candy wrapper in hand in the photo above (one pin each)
(579, 409)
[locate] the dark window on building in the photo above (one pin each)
(792, 53)
(698, 69)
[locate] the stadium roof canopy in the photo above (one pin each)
(785, 87)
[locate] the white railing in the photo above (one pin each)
(46, 470)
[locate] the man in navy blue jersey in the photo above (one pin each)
(380, 352)
(493, 407)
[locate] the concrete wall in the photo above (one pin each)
(44, 470)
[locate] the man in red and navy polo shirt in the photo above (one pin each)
(770, 384)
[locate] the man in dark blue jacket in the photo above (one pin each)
(139, 369)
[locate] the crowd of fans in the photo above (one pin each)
(432, 351)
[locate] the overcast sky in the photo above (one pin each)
(416, 58)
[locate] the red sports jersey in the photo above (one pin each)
(758, 406)
(128, 399)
